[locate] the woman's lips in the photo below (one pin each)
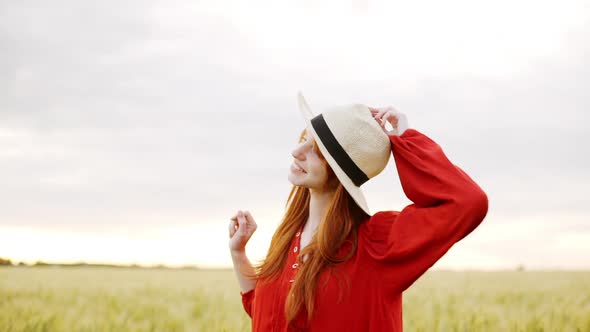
(297, 169)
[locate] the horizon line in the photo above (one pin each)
(43, 264)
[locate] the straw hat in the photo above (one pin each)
(352, 142)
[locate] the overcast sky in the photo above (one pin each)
(131, 131)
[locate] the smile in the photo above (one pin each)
(296, 168)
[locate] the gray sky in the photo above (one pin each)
(132, 132)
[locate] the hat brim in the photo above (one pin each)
(355, 192)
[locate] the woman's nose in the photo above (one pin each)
(297, 153)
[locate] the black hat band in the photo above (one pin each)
(337, 152)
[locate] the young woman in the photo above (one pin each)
(331, 265)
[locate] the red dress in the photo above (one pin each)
(394, 248)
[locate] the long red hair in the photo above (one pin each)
(340, 221)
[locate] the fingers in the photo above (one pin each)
(249, 217)
(379, 112)
(378, 116)
(242, 222)
(233, 224)
(397, 119)
(392, 118)
(251, 222)
(386, 114)
(233, 227)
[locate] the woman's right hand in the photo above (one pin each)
(241, 228)
(397, 119)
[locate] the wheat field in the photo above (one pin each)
(127, 299)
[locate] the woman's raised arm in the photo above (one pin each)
(447, 205)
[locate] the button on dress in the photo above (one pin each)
(394, 249)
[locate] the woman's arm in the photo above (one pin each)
(447, 206)
(243, 268)
(241, 228)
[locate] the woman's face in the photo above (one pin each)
(308, 168)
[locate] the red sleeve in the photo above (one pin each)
(247, 301)
(447, 205)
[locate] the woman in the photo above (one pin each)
(331, 265)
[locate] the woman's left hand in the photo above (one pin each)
(397, 119)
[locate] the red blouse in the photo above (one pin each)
(394, 248)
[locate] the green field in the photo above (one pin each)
(120, 299)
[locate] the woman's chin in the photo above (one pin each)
(294, 179)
